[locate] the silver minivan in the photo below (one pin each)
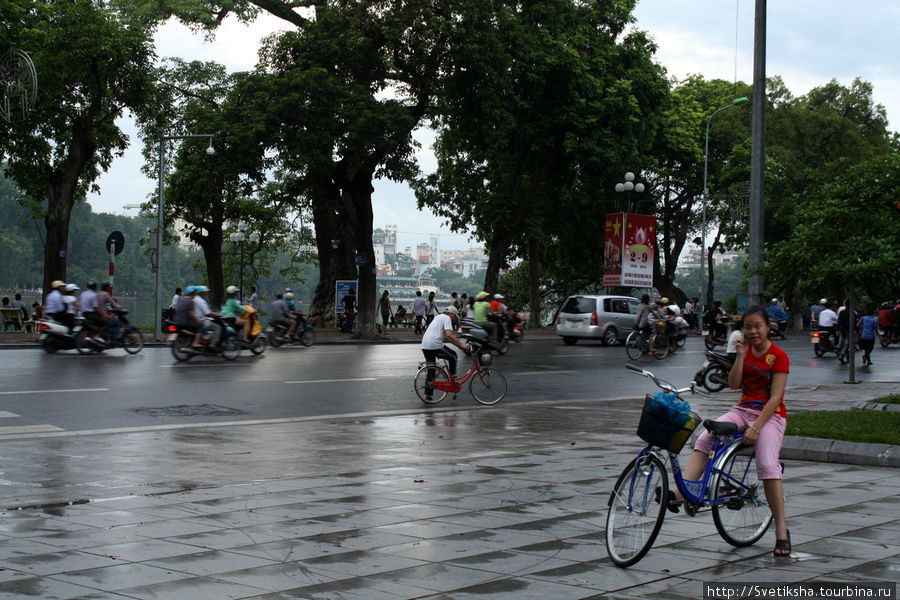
(605, 318)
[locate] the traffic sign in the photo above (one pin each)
(118, 238)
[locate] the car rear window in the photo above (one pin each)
(579, 305)
(620, 305)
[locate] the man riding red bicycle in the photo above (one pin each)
(439, 331)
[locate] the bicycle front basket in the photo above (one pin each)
(665, 426)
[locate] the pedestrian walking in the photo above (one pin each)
(418, 309)
(868, 326)
(430, 309)
(384, 306)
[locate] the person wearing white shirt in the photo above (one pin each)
(440, 331)
(175, 298)
(53, 305)
(418, 309)
(827, 320)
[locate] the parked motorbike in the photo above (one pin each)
(470, 327)
(55, 336)
(181, 340)
(128, 337)
(713, 375)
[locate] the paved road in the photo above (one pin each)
(70, 392)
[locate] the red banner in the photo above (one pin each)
(630, 244)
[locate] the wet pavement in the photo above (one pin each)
(505, 502)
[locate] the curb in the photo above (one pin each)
(838, 451)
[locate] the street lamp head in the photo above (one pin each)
(254, 237)
(629, 185)
(639, 187)
(740, 100)
(629, 176)
(242, 226)
(237, 237)
(620, 187)
(210, 150)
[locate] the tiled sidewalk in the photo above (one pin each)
(506, 502)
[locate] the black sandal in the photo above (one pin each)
(783, 547)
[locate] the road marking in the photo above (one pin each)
(5, 414)
(184, 365)
(287, 420)
(29, 429)
(540, 372)
(333, 380)
(56, 391)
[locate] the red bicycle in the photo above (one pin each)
(486, 384)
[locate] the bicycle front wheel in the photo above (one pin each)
(637, 507)
(634, 345)
(488, 386)
(424, 384)
(739, 506)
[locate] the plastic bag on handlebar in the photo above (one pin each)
(667, 421)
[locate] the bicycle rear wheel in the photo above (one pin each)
(424, 384)
(489, 386)
(743, 515)
(634, 345)
(637, 507)
(661, 345)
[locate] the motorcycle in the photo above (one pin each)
(470, 327)
(777, 329)
(276, 334)
(823, 343)
(182, 340)
(887, 337)
(258, 338)
(712, 341)
(713, 375)
(55, 336)
(128, 337)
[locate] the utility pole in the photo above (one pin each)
(758, 153)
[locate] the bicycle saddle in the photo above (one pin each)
(720, 427)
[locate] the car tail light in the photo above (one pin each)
(594, 317)
(172, 329)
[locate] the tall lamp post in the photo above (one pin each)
(239, 236)
(703, 289)
(161, 218)
(627, 187)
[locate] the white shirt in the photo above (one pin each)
(88, 301)
(201, 308)
(419, 306)
(688, 308)
(175, 300)
(827, 318)
(54, 303)
(436, 334)
(69, 301)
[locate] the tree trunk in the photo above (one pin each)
(334, 264)
(211, 245)
(56, 222)
(534, 283)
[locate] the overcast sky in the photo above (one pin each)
(808, 44)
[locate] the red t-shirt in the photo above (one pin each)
(756, 383)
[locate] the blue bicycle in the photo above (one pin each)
(730, 487)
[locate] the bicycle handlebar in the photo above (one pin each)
(665, 385)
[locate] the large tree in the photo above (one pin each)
(541, 105)
(92, 65)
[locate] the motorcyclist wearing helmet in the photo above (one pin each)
(54, 307)
(715, 317)
(71, 304)
(233, 312)
(108, 307)
(299, 317)
(90, 308)
(279, 315)
(205, 313)
(778, 314)
(185, 316)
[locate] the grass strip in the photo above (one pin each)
(889, 399)
(868, 426)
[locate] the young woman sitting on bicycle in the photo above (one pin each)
(439, 331)
(760, 370)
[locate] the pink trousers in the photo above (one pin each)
(768, 444)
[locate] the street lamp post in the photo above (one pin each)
(239, 237)
(161, 219)
(703, 288)
(627, 187)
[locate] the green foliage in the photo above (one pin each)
(450, 281)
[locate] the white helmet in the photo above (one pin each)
(823, 301)
(71, 287)
(231, 289)
(289, 296)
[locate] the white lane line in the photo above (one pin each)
(359, 415)
(517, 373)
(29, 429)
(333, 380)
(6, 414)
(186, 365)
(56, 391)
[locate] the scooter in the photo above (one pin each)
(471, 328)
(713, 375)
(822, 343)
(128, 337)
(182, 340)
(258, 338)
(55, 336)
(276, 333)
(777, 329)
